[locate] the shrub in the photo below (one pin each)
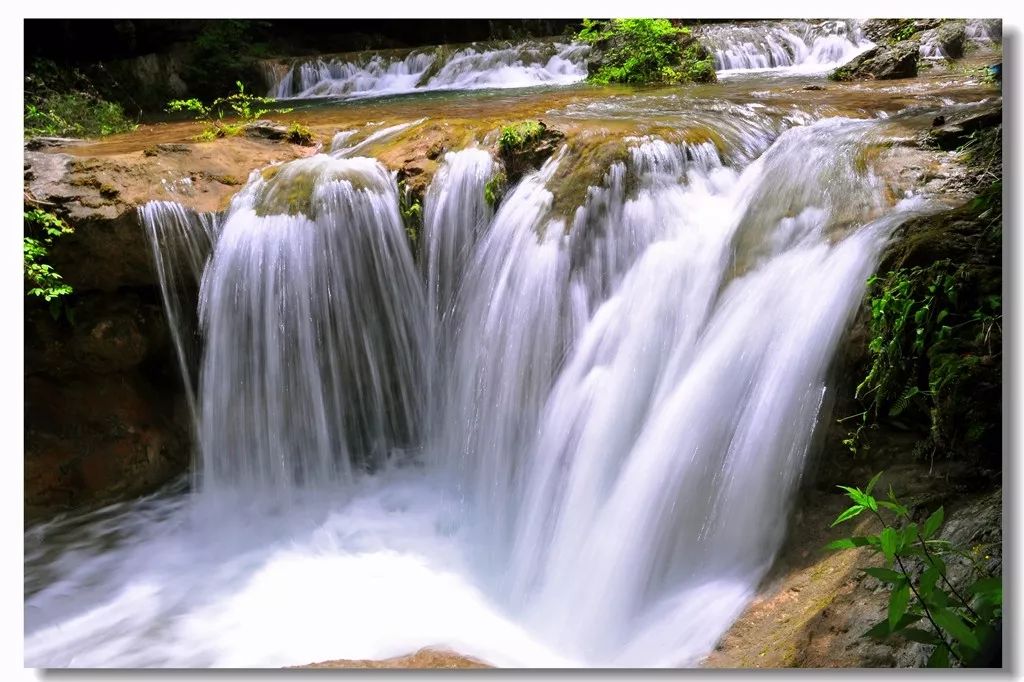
(63, 102)
(645, 51)
(924, 605)
(41, 229)
(515, 136)
(246, 107)
(299, 134)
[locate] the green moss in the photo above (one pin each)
(299, 134)
(843, 73)
(410, 205)
(289, 194)
(494, 189)
(516, 136)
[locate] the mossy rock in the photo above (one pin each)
(524, 146)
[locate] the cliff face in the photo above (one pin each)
(105, 417)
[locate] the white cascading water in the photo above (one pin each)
(547, 447)
(978, 32)
(312, 317)
(181, 241)
(469, 68)
(788, 46)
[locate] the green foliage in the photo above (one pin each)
(245, 106)
(411, 208)
(936, 330)
(494, 189)
(64, 103)
(515, 136)
(41, 229)
(299, 134)
(926, 342)
(644, 51)
(225, 51)
(904, 30)
(843, 73)
(924, 606)
(593, 32)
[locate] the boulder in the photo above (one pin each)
(951, 37)
(535, 143)
(267, 130)
(882, 62)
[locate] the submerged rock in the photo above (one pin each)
(267, 130)
(424, 658)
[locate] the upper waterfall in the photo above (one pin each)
(470, 67)
(797, 46)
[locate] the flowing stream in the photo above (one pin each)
(545, 439)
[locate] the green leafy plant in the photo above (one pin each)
(924, 605)
(74, 114)
(63, 102)
(904, 31)
(41, 229)
(925, 343)
(515, 136)
(643, 51)
(245, 106)
(299, 134)
(494, 189)
(411, 209)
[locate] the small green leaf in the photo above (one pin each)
(894, 507)
(886, 574)
(871, 484)
(898, 603)
(933, 523)
(927, 581)
(939, 658)
(848, 514)
(989, 589)
(855, 494)
(921, 636)
(954, 625)
(889, 540)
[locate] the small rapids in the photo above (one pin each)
(798, 47)
(548, 440)
(472, 67)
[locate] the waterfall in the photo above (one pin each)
(800, 46)
(181, 241)
(476, 66)
(556, 439)
(313, 324)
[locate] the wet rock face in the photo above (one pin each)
(102, 413)
(97, 438)
(952, 37)
(882, 62)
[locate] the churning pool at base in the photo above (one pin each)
(373, 571)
